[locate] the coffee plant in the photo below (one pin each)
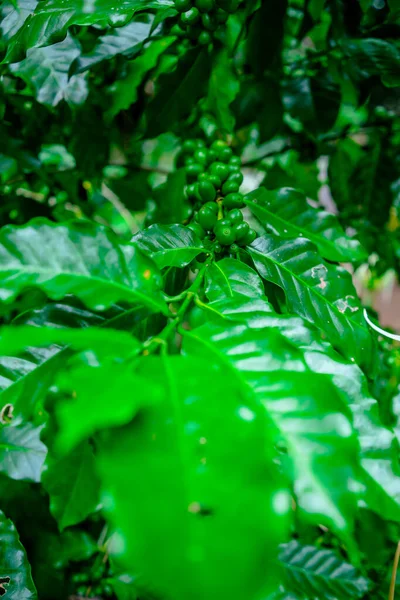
(195, 403)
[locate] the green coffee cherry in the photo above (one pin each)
(219, 169)
(189, 146)
(176, 30)
(207, 218)
(218, 144)
(234, 248)
(225, 154)
(237, 177)
(235, 216)
(215, 180)
(200, 143)
(203, 176)
(204, 38)
(217, 248)
(193, 171)
(190, 17)
(235, 160)
(205, 6)
(230, 187)
(201, 155)
(189, 160)
(225, 234)
(198, 230)
(241, 231)
(209, 22)
(249, 238)
(207, 191)
(222, 16)
(192, 191)
(213, 206)
(183, 5)
(212, 156)
(234, 200)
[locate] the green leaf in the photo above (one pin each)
(320, 292)
(265, 35)
(170, 198)
(22, 454)
(179, 92)
(14, 564)
(341, 166)
(127, 40)
(222, 91)
(83, 259)
(319, 573)
(124, 92)
(287, 213)
(72, 485)
(46, 70)
(51, 19)
(229, 277)
(104, 394)
(220, 492)
(323, 460)
(169, 245)
(374, 57)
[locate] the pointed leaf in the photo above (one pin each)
(82, 259)
(216, 492)
(22, 454)
(72, 484)
(14, 564)
(287, 213)
(169, 245)
(316, 432)
(321, 293)
(228, 277)
(46, 70)
(223, 89)
(320, 574)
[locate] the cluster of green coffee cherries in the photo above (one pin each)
(200, 19)
(215, 178)
(93, 581)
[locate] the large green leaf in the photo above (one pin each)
(320, 292)
(319, 573)
(22, 454)
(170, 198)
(287, 213)
(169, 245)
(83, 259)
(104, 394)
(47, 71)
(213, 499)
(14, 566)
(179, 92)
(222, 91)
(127, 40)
(51, 19)
(72, 484)
(124, 92)
(229, 277)
(323, 458)
(374, 57)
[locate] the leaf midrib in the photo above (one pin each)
(312, 289)
(148, 300)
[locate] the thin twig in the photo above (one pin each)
(121, 208)
(394, 573)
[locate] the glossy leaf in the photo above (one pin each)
(14, 566)
(127, 40)
(318, 573)
(51, 19)
(101, 395)
(296, 401)
(321, 293)
(22, 454)
(180, 91)
(169, 245)
(46, 69)
(82, 259)
(287, 213)
(375, 57)
(229, 277)
(124, 92)
(72, 484)
(222, 91)
(217, 492)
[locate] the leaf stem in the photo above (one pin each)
(394, 573)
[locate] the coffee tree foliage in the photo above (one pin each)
(192, 403)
